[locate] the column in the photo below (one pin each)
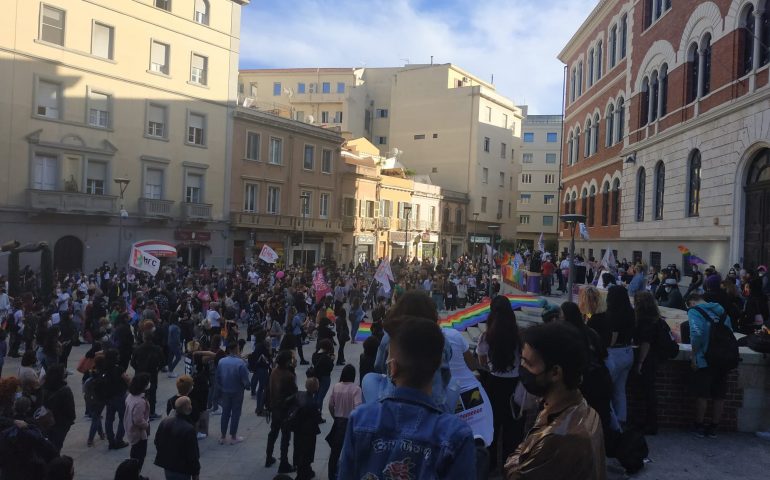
(701, 70)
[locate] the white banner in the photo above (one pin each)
(268, 254)
(541, 243)
(384, 274)
(142, 260)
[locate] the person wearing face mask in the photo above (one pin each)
(176, 443)
(566, 441)
(673, 295)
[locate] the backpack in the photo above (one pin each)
(630, 449)
(722, 352)
(665, 345)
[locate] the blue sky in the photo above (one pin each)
(516, 40)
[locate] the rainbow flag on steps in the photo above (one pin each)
(468, 317)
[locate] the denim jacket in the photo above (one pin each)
(404, 436)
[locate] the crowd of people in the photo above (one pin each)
(548, 401)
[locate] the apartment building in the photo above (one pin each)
(454, 223)
(114, 126)
(285, 189)
(538, 204)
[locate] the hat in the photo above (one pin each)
(670, 281)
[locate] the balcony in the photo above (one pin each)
(460, 228)
(155, 208)
(196, 212)
(284, 222)
(368, 223)
(384, 223)
(349, 223)
(318, 225)
(72, 202)
(451, 228)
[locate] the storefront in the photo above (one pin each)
(364, 244)
(193, 246)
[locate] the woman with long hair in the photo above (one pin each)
(499, 349)
(647, 318)
(58, 398)
(345, 397)
(620, 352)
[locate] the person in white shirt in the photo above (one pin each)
(213, 317)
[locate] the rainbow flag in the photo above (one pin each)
(468, 317)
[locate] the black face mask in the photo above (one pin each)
(529, 380)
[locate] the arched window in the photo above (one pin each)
(621, 114)
(590, 72)
(623, 35)
(764, 47)
(693, 60)
(202, 11)
(746, 36)
(615, 214)
(610, 119)
(641, 184)
(660, 186)
(663, 80)
(693, 184)
(605, 203)
(591, 206)
(572, 84)
(445, 219)
(580, 79)
(595, 135)
(706, 80)
(584, 202)
(570, 147)
(458, 219)
(599, 55)
(644, 104)
(573, 204)
(576, 150)
(612, 51)
(654, 92)
(588, 141)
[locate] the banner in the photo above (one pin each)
(268, 254)
(320, 285)
(541, 243)
(141, 260)
(384, 274)
(584, 231)
(608, 261)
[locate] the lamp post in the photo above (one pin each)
(303, 199)
(122, 184)
(494, 229)
(407, 212)
(572, 220)
(473, 238)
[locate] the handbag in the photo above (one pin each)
(44, 418)
(522, 402)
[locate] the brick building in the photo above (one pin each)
(691, 134)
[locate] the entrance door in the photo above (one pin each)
(68, 254)
(756, 243)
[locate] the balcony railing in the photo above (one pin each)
(196, 211)
(368, 223)
(348, 223)
(153, 207)
(460, 228)
(323, 225)
(284, 222)
(71, 202)
(384, 223)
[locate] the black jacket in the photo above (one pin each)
(61, 402)
(148, 358)
(177, 446)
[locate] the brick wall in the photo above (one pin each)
(676, 404)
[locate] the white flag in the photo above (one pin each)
(142, 260)
(490, 254)
(608, 261)
(541, 243)
(268, 254)
(584, 232)
(384, 274)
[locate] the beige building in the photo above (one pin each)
(285, 184)
(454, 223)
(538, 204)
(137, 90)
(438, 119)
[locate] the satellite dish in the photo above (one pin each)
(310, 119)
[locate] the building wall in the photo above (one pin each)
(396, 190)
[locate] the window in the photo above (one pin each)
(655, 260)
(274, 200)
(276, 151)
(48, 102)
(164, 4)
(584, 202)
(549, 178)
(485, 175)
(308, 162)
(153, 183)
(573, 84)
(705, 83)
(202, 11)
(386, 208)
(199, 67)
(419, 137)
(159, 58)
(52, 25)
(654, 95)
(96, 177)
(503, 150)
(300, 87)
(613, 42)
(693, 67)
(45, 169)
(547, 220)
(489, 114)
(526, 178)
(486, 144)
(591, 206)
(252, 146)
(609, 133)
(340, 87)
(570, 147)
(549, 199)
(589, 142)
(595, 135)
(576, 150)
(623, 35)
(156, 120)
(529, 137)
(349, 207)
(326, 161)
(599, 56)
(324, 117)
(102, 37)
(552, 137)
(326, 87)
(580, 79)
(382, 113)
(644, 107)
(502, 180)
(527, 158)
(483, 204)
(250, 193)
(299, 116)
(590, 72)
(615, 217)
(605, 204)
(510, 183)
(747, 33)
(660, 185)
(693, 184)
(621, 114)
(641, 181)
(193, 190)
(550, 158)
(337, 117)
(524, 219)
(323, 206)
(382, 140)
(524, 198)
(505, 120)
(435, 135)
(196, 133)
(99, 109)
(277, 89)
(306, 203)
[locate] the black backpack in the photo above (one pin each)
(722, 352)
(630, 449)
(665, 345)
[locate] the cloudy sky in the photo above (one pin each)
(516, 40)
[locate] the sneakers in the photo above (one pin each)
(699, 430)
(216, 411)
(117, 445)
(154, 416)
(763, 435)
(286, 467)
(201, 436)
(172, 375)
(304, 362)
(235, 440)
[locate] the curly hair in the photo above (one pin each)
(8, 388)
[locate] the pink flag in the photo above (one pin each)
(320, 285)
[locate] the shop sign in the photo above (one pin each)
(364, 239)
(192, 235)
(478, 239)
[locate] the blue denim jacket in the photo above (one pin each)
(404, 436)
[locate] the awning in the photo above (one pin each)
(157, 248)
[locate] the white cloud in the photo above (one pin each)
(516, 40)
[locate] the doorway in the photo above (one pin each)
(756, 243)
(68, 254)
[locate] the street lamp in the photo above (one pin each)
(572, 220)
(407, 212)
(473, 239)
(122, 184)
(304, 199)
(494, 229)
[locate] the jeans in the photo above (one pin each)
(619, 363)
(298, 344)
(324, 382)
(277, 425)
(95, 411)
(176, 475)
(438, 299)
(115, 405)
(231, 412)
(139, 452)
(260, 377)
(174, 356)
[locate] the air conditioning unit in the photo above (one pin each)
(312, 88)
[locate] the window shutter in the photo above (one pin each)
(47, 95)
(198, 62)
(196, 121)
(97, 171)
(99, 101)
(377, 209)
(156, 114)
(159, 53)
(100, 41)
(401, 210)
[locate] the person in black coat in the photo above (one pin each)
(58, 398)
(176, 442)
(304, 424)
(149, 358)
